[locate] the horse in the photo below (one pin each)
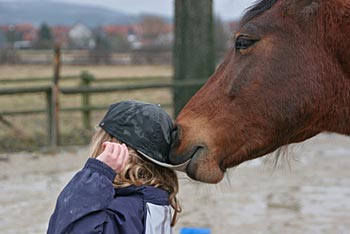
(285, 79)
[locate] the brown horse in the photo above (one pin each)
(286, 79)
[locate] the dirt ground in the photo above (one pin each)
(309, 192)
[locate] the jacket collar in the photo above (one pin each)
(148, 193)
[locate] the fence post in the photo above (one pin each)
(194, 54)
(49, 110)
(54, 122)
(86, 79)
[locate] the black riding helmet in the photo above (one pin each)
(145, 127)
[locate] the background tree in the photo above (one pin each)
(45, 38)
(120, 43)
(152, 27)
(12, 35)
(101, 52)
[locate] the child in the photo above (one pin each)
(121, 189)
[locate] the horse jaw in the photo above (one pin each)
(203, 167)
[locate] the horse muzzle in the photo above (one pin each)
(199, 163)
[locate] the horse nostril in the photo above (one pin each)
(176, 134)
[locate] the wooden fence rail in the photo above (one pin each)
(78, 77)
(38, 89)
(35, 79)
(85, 89)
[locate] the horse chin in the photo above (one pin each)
(204, 168)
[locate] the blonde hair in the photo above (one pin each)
(140, 171)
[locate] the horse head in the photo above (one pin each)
(285, 79)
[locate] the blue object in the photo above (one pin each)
(90, 204)
(195, 231)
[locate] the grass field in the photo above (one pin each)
(30, 131)
(13, 71)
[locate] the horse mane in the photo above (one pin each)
(257, 9)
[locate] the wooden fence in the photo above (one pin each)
(53, 90)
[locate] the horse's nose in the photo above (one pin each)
(181, 150)
(175, 134)
(176, 138)
(176, 156)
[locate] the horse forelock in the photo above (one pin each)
(301, 8)
(257, 9)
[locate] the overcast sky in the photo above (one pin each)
(227, 9)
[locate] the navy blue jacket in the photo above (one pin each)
(90, 204)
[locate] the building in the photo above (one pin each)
(81, 37)
(61, 35)
(19, 36)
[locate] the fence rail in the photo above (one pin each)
(85, 89)
(36, 79)
(38, 89)
(89, 90)
(78, 77)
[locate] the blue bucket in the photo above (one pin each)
(195, 231)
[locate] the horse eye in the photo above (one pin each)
(242, 43)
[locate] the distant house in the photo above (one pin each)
(81, 37)
(134, 36)
(20, 36)
(162, 37)
(113, 30)
(164, 40)
(22, 44)
(166, 37)
(60, 35)
(132, 33)
(29, 33)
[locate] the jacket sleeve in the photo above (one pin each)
(83, 205)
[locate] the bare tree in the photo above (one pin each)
(152, 26)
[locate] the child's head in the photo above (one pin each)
(146, 130)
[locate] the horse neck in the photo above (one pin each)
(336, 106)
(334, 18)
(339, 115)
(336, 27)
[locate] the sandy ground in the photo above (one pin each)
(308, 193)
